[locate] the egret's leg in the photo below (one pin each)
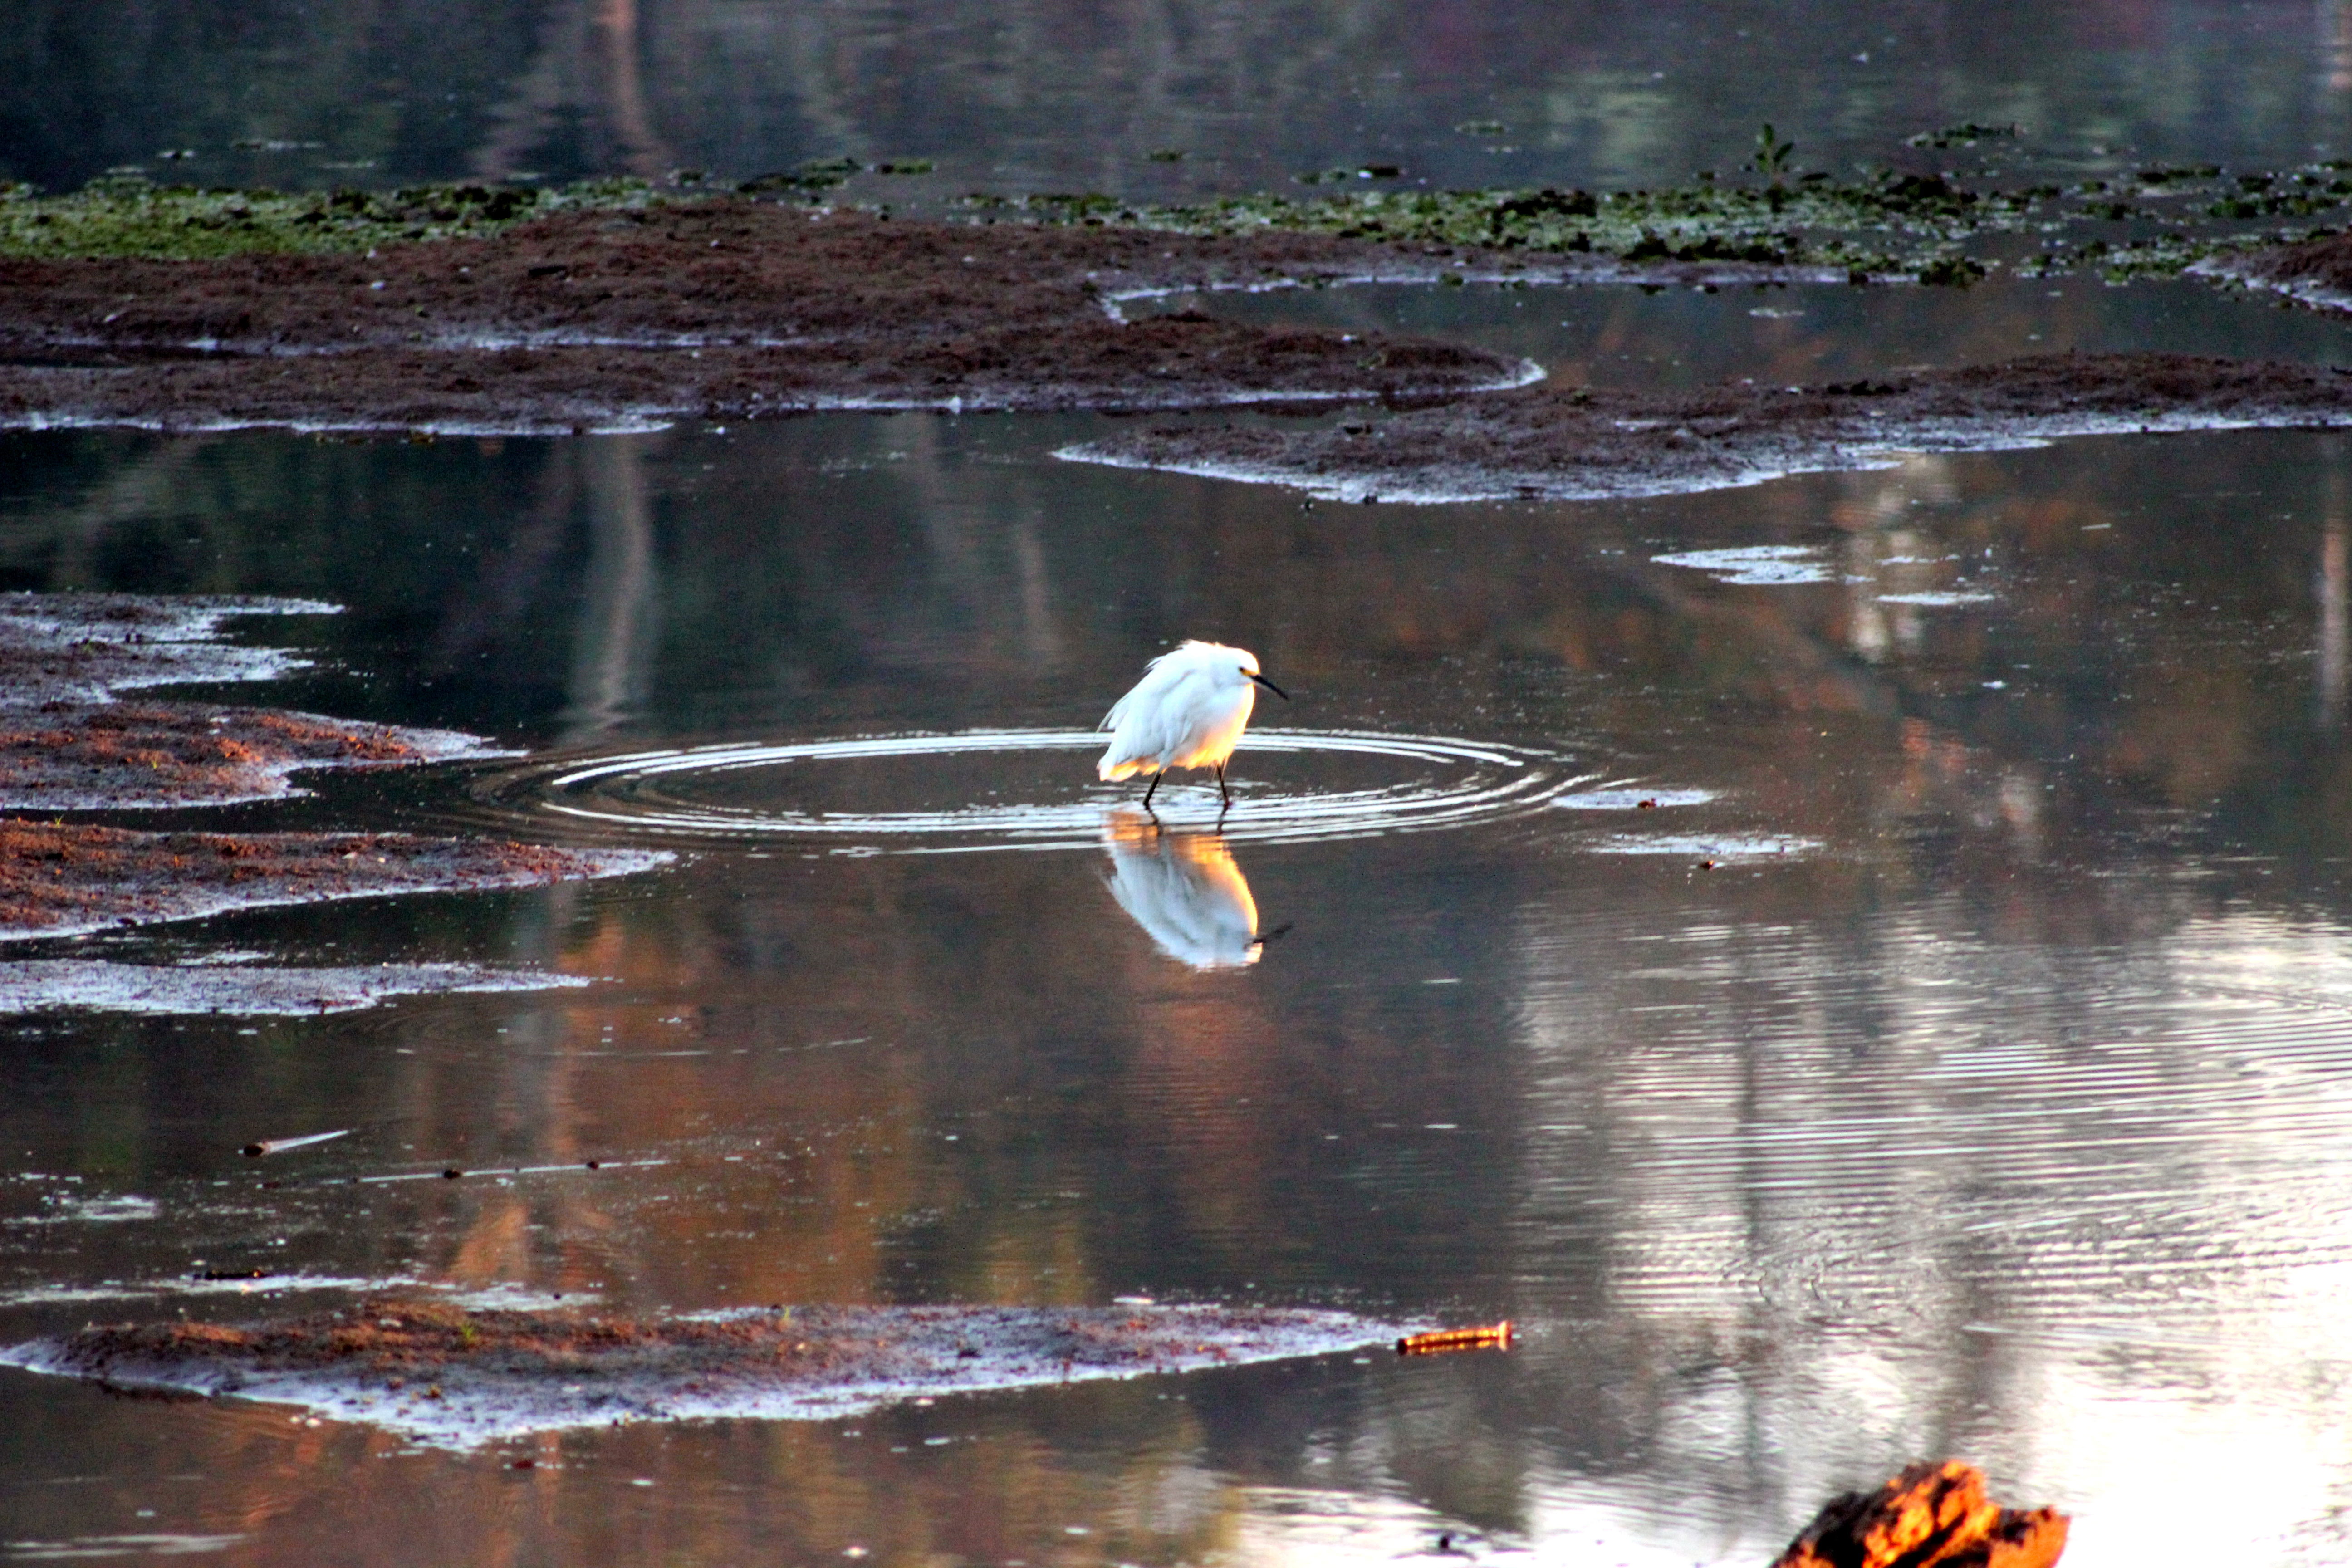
(1154, 790)
(1225, 793)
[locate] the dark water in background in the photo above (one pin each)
(1987, 1097)
(1030, 94)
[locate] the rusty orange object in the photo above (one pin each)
(1933, 1515)
(1496, 1335)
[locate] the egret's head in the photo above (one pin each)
(1248, 671)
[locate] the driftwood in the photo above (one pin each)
(1930, 1516)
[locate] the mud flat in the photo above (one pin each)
(58, 879)
(85, 647)
(247, 990)
(2317, 273)
(1579, 445)
(459, 1378)
(73, 757)
(720, 309)
(67, 745)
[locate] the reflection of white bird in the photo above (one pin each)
(1186, 712)
(1184, 891)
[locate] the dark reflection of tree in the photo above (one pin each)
(1057, 93)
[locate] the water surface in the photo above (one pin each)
(1953, 1061)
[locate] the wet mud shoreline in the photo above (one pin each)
(1580, 445)
(447, 1374)
(725, 308)
(62, 880)
(67, 744)
(2316, 274)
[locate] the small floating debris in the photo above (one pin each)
(1967, 134)
(1631, 799)
(1940, 597)
(280, 1146)
(1709, 852)
(457, 1377)
(1439, 1342)
(1756, 566)
(1930, 1516)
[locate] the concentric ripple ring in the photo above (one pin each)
(1444, 782)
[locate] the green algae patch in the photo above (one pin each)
(1893, 226)
(1930, 228)
(129, 217)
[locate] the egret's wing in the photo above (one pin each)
(1158, 676)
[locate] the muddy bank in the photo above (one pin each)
(247, 990)
(2318, 272)
(66, 746)
(1562, 444)
(449, 1375)
(72, 757)
(723, 309)
(57, 880)
(86, 648)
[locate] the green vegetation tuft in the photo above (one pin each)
(1965, 135)
(129, 216)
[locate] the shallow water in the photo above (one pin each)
(1956, 1058)
(1986, 1095)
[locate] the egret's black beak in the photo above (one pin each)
(1269, 685)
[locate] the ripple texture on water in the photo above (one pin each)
(1397, 783)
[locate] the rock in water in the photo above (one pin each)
(1930, 1516)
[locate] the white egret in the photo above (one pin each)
(1186, 712)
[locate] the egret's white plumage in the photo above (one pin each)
(1188, 711)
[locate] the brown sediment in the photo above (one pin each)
(65, 746)
(724, 308)
(56, 879)
(2316, 272)
(85, 647)
(461, 1375)
(1930, 1516)
(1589, 445)
(67, 756)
